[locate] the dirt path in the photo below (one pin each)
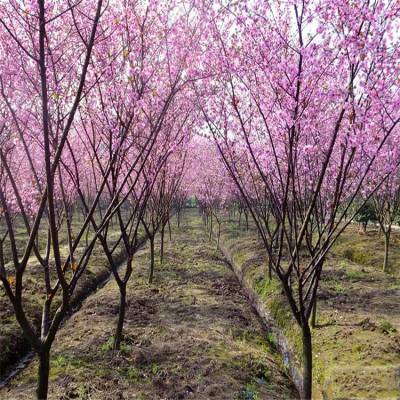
(191, 335)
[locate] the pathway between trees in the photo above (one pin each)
(191, 335)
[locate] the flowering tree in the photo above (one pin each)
(161, 200)
(42, 83)
(309, 91)
(135, 122)
(386, 200)
(209, 182)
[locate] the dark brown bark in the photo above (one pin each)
(151, 273)
(307, 362)
(43, 374)
(169, 229)
(314, 314)
(121, 317)
(45, 318)
(162, 244)
(387, 246)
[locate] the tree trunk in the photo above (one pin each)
(43, 374)
(211, 226)
(387, 245)
(45, 318)
(269, 269)
(169, 229)
(364, 228)
(314, 314)
(151, 274)
(121, 317)
(162, 245)
(307, 362)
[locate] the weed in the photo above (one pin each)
(354, 274)
(60, 361)
(131, 373)
(271, 339)
(337, 286)
(124, 348)
(263, 374)
(154, 368)
(107, 346)
(248, 393)
(82, 392)
(387, 327)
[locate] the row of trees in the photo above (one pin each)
(95, 120)
(303, 107)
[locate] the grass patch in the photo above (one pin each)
(249, 392)
(387, 327)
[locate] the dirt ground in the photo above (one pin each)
(190, 335)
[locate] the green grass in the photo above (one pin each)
(249, 393)
(387, 327)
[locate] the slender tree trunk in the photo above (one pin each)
(387, 245)
(87, 237)
(121, 317)
(314, 314)
(45, 318)
(269, 269)
(43, 374)
(151, 274)
(211, 226)
(307, 362)
(169, 229)
(162, 245)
